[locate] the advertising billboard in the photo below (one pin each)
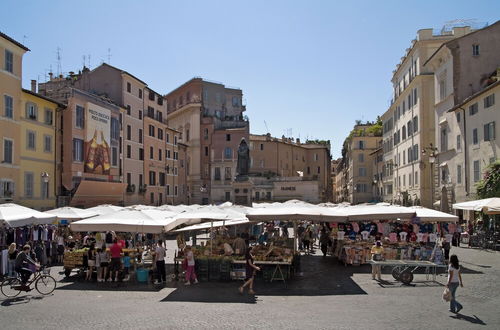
(97, 140)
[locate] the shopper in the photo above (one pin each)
(324, 241)
(307, 239)
(190, 271)
(24, 263)
(377, 252)
(12, 254)
(60, 248)
(239, 245)
(116, 262)
(251, 270)
(446, 247)
(160, 262)
(454, 279)
(103, 262)
(126, 266)
(91, 256)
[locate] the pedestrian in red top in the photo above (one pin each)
(116, 262)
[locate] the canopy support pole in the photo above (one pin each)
(294, 236)
(211, 235)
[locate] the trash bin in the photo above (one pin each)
(142, 275)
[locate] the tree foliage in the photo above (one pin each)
(490, 185)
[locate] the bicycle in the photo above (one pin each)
(44, 283)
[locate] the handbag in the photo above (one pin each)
(446, 294)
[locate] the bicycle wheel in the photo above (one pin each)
(10, 287)
(45, 284)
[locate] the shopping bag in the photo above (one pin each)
(446, 294)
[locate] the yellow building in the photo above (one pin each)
(37, 175)
(11, 57)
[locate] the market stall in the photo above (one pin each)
(69, 214)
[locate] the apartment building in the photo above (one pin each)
(204, 112)
(11, 64)
(408, 124)
(341, 182)
(359, 157)
(377, 157)
(333, 175)
(38, 179)
(283, 169)
(466, 74)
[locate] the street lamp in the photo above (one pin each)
(433, 156)
(45, 179)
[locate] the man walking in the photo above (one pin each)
(160, 262)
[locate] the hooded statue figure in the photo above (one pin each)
(243, 158)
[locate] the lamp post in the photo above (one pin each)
(432, 153)
(45, 179)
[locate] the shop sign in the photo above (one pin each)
(288, 188)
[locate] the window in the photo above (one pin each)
(159, 100)
(227, 196)
(187, 135)
(151, 112)
(444, 139)
(477, 171)
(206, 151)
(128, 110)
(489, 101)
(129, 151)
(459, 142)
(151, 95)
(316, 157)
(458, 116)
(205, 134)
(228, 153)
(160, 134)
(79, 118)
(30, 140)
(48, 117)
(129, 87)
(176, 190)
(415, 124)
(415, 96)
(9, 106)
(404, 132)
(361, 144)
(416, 177)
(167, 138)
(362, 171)
(404, 157)
(152, 198)
(475, 50)
(9, 61)
(31, 110)
(262, 164)
(227, 173)
(167, 153)
(404, 180)
(129, 178)
(415, 152)
(217, 173)
(168, 190)
(410, 128)
(47, 143)
(151, 153)
(361, 158)
(140, 180)
(159, 154)
(8, 151)
(262, 146)
(152, 178)
(114, 156)
(361, 187)
(228, 137)
(161, 179)
(489, 131)
(115, 129)
(475, 138)
(442, 89)
(175, 140)
(459, 174)
(129, 132)
(77, 150)
(236, 102)
(140, 114)
(319, 169)
(28, 184)
(140, 93)
(151, 130)
(473, 109)
(176, 155)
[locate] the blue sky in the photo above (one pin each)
(308, 69)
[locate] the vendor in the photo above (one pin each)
(377, 252)
(239, 246)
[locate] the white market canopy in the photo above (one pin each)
(105, 209)
(377, 212)
(210, 213)
(216, 224)
(129, 220)
(72, 213)
(487, 205)
(430, 215)
(17, 216)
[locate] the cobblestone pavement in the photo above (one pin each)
(326, 295)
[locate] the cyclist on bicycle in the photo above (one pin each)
(23, 260)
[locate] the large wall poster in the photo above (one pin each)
(97, 140)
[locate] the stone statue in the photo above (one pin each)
(243, 158)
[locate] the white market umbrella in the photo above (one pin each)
(215, 224)
(488, 205)
(17, 216)
(105, 209)
(72, 213)
(377, 212)
(430, 215)
(492, 207)
(126, 220)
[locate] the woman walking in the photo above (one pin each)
(190, 263)
(91, 256)
(251, 269)
(12, 255)
(454, 280)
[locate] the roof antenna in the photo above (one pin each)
(59, 66)
(109, 55)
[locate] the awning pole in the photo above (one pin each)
(294, 236)
(211, 235)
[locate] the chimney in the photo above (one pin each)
(33, 86)
(50, 75)
(297, 141)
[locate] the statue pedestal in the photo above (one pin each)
(242, 190)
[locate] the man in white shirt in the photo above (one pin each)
(160, 252)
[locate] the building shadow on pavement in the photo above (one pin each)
(472, 319)
(317, 276)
